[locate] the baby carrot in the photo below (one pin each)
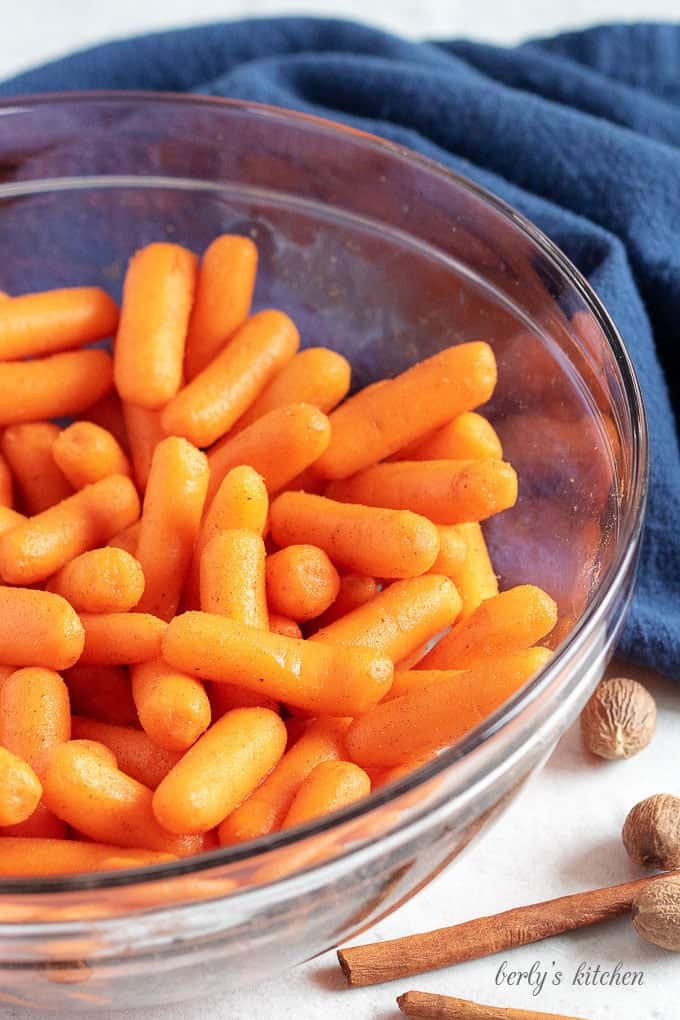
(475, 578)
(373, 423)
(9, 519)
(31, 857)
(35, 715)
(452, 551)
(439, 713)
(171, 516)
(149, 348)
(322, 679)
(6, 484)
(446, 491)
(267, 806)
(407, 680)
(282, 625)
(107, 580)
(126, 539)
(38, 628)
(316, 376)
(28, 450)
(86, 453)
(355, 589)
(301, 582)
(144, 432)
(106, 805)
(279, 446)
(220, 770)
(399, 619)
(225, 697)
(42, 824)
(32, 325)
(508, 622)
(232, 577)
(103, 693)
(224, 292)
(135, 753)
(20, 789)
(120, 639)
(96, 748)
(468, 437)
(217, 397)
(54, 387)
(331, 785)
(366, 540)
(173, 708)
(108, 414)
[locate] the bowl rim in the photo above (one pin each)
(630, 520)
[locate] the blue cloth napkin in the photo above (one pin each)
(581, 132)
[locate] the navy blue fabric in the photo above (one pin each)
(581, 132)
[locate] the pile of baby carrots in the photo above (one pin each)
(232, 598)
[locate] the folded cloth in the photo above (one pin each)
(581, 132)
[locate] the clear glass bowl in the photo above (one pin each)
(387, 257)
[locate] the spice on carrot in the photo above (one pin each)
(135, 752)
(301, 582)
(331, 785)
(233, 577)
(86, 453)
(106, 580)
(121, 639)
(38, 628)
(173, 708)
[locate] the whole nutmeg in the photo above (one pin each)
(651, 833)
(619, 720)
(656, 913)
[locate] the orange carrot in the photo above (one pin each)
(96, 748)
(232, 577)
(266, 808)
(316, 376)
(38, 628)
(126, 539)
(171, 516)
(367, 540)
(35, 715)
(468, 437)
(279, 446)
(381, 777)
(475, 578)
(439, 713)
(135, 753)
(6, 484)
(54, 387)
(103, 693)
(42, 824)
(399, 619)
(108, 414)
(380, 420)
(355, 589)
(9, 519)
(446, 491)
(301, 582)
(173, 708)
(408, 680)
(33, 551)
(86, 453)
(30, 857)
(107, 580)
(452, 551)
(28, 449)
(220, 771)
(121, 639)
(20, 789)
(32, 325)
(282, 625)
(149, 349)
(316, 677)
(508, 622)
(144, 432)
(331, 785)
(225, 697)
(214, 400)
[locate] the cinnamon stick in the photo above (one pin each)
(425, 1006)
(415, 954)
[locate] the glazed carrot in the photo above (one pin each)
(54, 387)
(267, 806)
(144, 432)
(408, 680)
(120, 639)
(96, 748)
(366, 540)
(107, 580)
(38, 628)
(42, 824)
(282, 625)
(468, 437)
(355, 589)
(6, 671)
(28, 450)
(6, 484)
(30, 857)
(149, 349)
(446, 491)
(103, 693)
(20, 789)
(452, 551)
(440, 712)
(316, 677)
(9, 519)
(381, 777)
(279, 446)
(135, 753)
(33, 551)
(475, 578)
(316, 376)
(331, 785)
(301, 582)
(32, 325)
(217, 397)
(105, 804)
(86, 453)
(108, 414)
(171, 516)
(173, 708)
(220, 770)
(224, 292)
(35, 715)
(126, 539)
(380, 420)
(399, 619)
(508, 622)
(232, 577)
(225, 697)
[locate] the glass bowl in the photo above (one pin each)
(386, 257)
